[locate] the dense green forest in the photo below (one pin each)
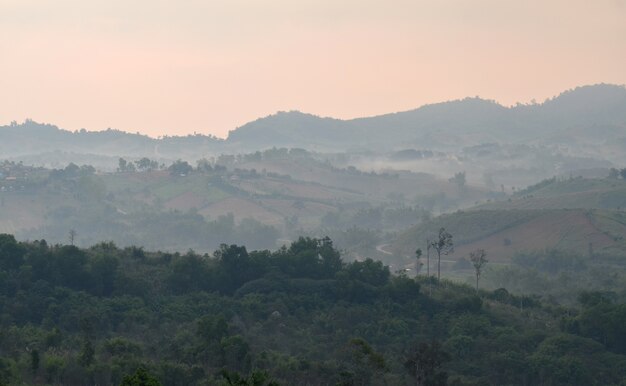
(298, 315)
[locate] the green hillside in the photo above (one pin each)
(254, 200)
(591, 193)
(300, 315)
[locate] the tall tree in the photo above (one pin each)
(418, 256)
(428, 246)
(72, 236)
(479, 260)
(424, 364)
(443, 246)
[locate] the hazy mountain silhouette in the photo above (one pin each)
(449, 124)
(580, 118)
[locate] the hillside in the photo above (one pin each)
(575, 118)
(505, 233)
(573, 193)
(299, 315)
(255, 201)
(580, 216)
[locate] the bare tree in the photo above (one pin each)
(72, 236)
(479, 260)
(428, 246)
(418, 256)
(443, 246)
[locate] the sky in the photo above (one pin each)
(165, 67)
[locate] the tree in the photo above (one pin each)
(72, 236)
(613, 173)
(34, 361)
(180, 168)
(11, 252)
(144, 164)
(87, 353)
(479, 260)
(366, 367)
(428, 246)
(622, 173)
(122, 165)
(459, 180)
(443, 246)
(257, 378)
(424, 364)
(140, 378)
(418, 256)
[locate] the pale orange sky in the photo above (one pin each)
(175, 67)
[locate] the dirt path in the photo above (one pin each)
(380, 248)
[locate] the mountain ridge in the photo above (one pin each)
(442, 126)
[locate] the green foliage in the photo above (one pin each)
(141, 377)
(425, 363)
(86, 354)
(300, 313)
(180, 168)
(551, 261)
(34, 360)
(257, 378)
(11, 253)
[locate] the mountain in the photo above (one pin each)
(588, 121)
(471, 121)
(46, 144)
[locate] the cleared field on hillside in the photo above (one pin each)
(503, 233)
(571, 193)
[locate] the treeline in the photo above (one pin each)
(298, 315)
(171, 230)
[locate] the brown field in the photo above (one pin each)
(20, 212)
(570, 231)
(186, 201)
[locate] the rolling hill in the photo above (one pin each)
(580, 216)
(583, 118)
(572, 193)
(589, 120)
(505, 233)
(255, 202)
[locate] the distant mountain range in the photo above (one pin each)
(592, 113)
(589, 120)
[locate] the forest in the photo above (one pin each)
(298, 315)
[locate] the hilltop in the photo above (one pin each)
(575, 117)
(583, 119)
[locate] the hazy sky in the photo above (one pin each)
(175, 67)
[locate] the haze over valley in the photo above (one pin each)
(263, 193)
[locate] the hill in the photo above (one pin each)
(299, 315)
(254, 200)
(579, 216)
(582, 118)
(588, 121)
(572, 193)
(506, 233)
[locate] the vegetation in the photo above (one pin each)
(299, 315)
